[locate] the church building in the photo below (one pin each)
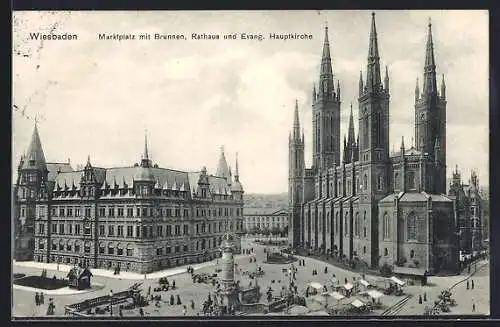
(361, 202)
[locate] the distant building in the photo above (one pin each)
(470, 210)
(374, 206)
(141, 218)
(259, 219)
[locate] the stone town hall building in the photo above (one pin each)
(142, 218)
(373, 206)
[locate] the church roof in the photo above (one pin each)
(423, 196)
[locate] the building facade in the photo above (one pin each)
(259, 219)
(470, 211)
(141, 218)
(374, 206)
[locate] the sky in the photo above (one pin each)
(99, 97)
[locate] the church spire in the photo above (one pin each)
(417, 91)
(296, 122)
(361, 87)
(430, 87)
(373, 79)
(443, 88)
(237, 171)
(326, 73)
(386, 80)
(35, 158)
(350, 134)
(145, 157)
(222, 168)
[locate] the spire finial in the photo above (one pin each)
(146, 154)
(430, 22)
(222, 149)
(237, 171)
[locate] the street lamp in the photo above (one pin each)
(111, 302)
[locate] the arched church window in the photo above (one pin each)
(346, 230)
(386, 252)
(412, 254)
(337, 222)
(364, 224)
(397, 182)
(380, 182)
(411, 227)
(411, 180)
(365, 133)
(365, 182)
(386, 227)
(356, 224)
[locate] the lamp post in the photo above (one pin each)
(111, 302)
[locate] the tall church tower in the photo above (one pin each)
(31, 189)
(296, 166)
(373, 144)
(326, 115)
(430, 121)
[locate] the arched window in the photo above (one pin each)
(396, 181)
(380, 182)
(386, 227)
(411, 180)
(364, 249)
(365, 133)
(364, 224)
(346, 224)
(365, 182)
(337, 222)
(386, 253)
(356, 225)
(412, 254)
(328, 222)
(411, 227)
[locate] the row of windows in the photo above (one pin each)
(267, 219)
(221, 212)
(223, 226)
(63, 229)
(86, 249)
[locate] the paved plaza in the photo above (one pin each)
(24, 303)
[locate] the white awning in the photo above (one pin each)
(397, 281)
(364, 282)
(315, 285)
(375, 294)
(336, 295)
(357, 303)
(348, 286)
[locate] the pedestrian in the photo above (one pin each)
(345, 280)
(473, 307)
(419, 299)
(141, 312)
(192, 304)
(184, 311)
(425, 297)
(472, 284)
(467, 284)
(173, 284)
(42, 300)
(120, 313)
(37, 299)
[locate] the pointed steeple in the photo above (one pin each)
(314, 93)
(237, 171)
(361, 87)
(373, 79)
(402, 148)
(346, 152)
(145, 162)
(296, 122)
(326, 74)
(386, 80)
(430, 87)
(417, 91)
(222, 168)
(35, 158)
(338, 90)
(443, 88)
(350, 132)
